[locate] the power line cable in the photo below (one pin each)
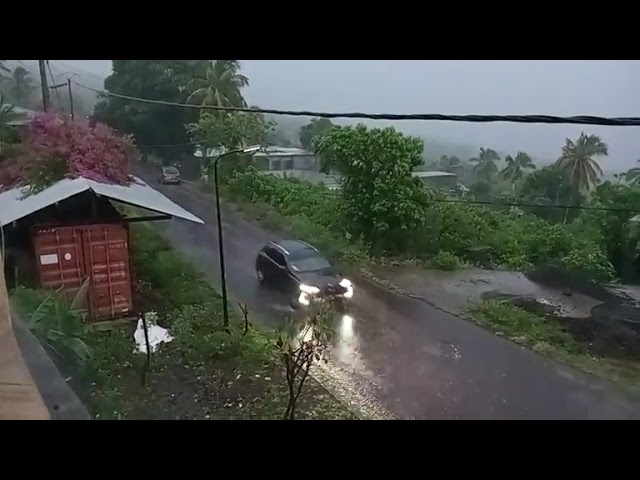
(546, 119)
(584, 120)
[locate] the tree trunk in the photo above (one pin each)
(566, 210)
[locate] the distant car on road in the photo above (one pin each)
(298, 269)
(169, 175)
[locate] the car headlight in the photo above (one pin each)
(346, 283)
(304, 299)
(311, 290)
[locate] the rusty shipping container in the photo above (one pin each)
(67, 256)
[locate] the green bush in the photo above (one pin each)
(446, 261)
(200, 336)
(57, 326)
(512, 239)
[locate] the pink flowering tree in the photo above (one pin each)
(55, 147)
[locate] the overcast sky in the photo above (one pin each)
(553, 87)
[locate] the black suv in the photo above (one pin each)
(298, 269)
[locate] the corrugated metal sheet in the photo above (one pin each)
(432, 174)
(14, 205)
(67, 256)
(270, 151)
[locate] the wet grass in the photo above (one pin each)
(547, 336)
(204, 373)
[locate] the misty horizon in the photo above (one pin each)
(563, 88)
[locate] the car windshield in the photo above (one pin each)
(308, 261)
(171, 171)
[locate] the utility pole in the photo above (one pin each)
(70, 98)
(44, 85)
(68, 85)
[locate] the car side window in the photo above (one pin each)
(276, 256)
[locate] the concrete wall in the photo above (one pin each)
(59, 399)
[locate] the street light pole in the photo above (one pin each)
(223, 273)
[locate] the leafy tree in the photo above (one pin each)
(55, 148)
(316, 128)
(381, 202)
(550, 186)
(229, 132)
(515, 168)
(485, 164)
(633, 176)
(21, 85)
(221, 85)
(612, 228)
(151, 124)
(577, 160)
(450, 164)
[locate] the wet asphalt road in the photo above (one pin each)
(416, 361)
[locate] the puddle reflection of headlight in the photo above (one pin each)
(346, 327)
(306, 334)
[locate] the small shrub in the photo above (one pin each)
(446, 261)
(54, 323)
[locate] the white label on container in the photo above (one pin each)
(49, 259)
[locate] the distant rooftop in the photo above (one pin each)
(25, 113)
(272, 151)
(433, 174)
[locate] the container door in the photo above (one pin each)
(59, 258)
(106, 253)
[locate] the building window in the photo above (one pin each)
(288, 164)
(275, 164)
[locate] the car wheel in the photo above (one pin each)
(260, 276)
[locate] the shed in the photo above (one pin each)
(70, 234)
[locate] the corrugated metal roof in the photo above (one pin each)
(433, 174)
(25, 116)
(15, 205)
(282, 152)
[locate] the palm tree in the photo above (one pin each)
(449, 164)
(21, 84)
(578, 164)
(516, 167)
(221, 86)
(577, 161)
(485, 168)
(633, 176)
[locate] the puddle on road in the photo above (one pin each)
(346, 374)
(456, 291)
